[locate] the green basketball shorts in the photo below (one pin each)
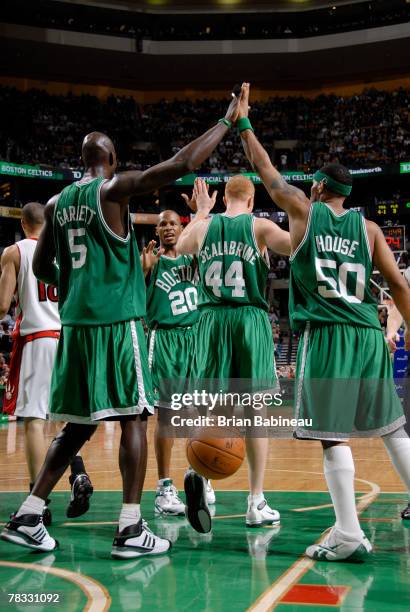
(344, 384)
(170, 355)
(234, 350)
(100, 372)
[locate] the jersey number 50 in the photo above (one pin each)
(338, 288)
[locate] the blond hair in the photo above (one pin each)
(239, 187)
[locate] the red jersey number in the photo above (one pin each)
(47, 292)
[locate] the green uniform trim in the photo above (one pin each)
(170, 357)
(232, 270)
(99, 372)
(101, 280)
(331, 270)
(172, 294)
(344, 384)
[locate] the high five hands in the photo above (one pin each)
(201, 202)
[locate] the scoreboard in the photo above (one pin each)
(395, 237)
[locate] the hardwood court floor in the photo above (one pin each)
(233, 568)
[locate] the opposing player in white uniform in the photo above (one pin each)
(394, 322)
(35, 341)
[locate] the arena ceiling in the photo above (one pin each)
(215, 5)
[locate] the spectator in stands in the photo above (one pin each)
(365, 130)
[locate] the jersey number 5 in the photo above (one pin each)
(78, 250)
(333, 288)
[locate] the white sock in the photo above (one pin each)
(339, 473)
(256, 499)
(130, 514)
(162, 480)
(398, 447)
(31, 505)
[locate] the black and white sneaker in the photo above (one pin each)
(405, 514)
(47, 517)
(136, 541)
(196, 510)
(28, 530)
(81, 491)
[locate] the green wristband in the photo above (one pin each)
(225, 122)
(244, 124)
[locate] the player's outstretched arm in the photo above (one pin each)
(272, 236)
(44, 266)
(290, 198)
(125, 184)
(202, 204)
(10, 264)
(385, 262)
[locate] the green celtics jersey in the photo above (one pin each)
(330, 271)
(172, 293)
(101, 280)
(232, 270)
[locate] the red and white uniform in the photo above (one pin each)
(35, 340)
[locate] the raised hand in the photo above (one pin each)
(233, 109)
(244, 101)
(150, 256)
(204, 202)
(189, 201)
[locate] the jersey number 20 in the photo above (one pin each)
(182, 301)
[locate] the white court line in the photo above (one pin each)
(98, 598)
(272, 595)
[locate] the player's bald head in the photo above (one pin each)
(98, 150)
(239, 188)
(169, 215)
(32, 215)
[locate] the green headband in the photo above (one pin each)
(335, 186)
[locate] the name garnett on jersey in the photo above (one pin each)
(336, 244)
(177, 274)
(75, 213)
(237, 249)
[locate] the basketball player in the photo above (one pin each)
(171, 316)
(333, 251)
(394, 322)
(35, 341)
(101, 367)
(234, 336)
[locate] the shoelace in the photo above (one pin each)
(171, 490)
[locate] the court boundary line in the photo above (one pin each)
(225, 490)
(98, 597)
(272, 595)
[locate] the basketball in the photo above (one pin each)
(215, 457)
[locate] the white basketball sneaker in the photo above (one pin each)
(167, 500)
(260, 514)
(138, 540)
(340, 546)
(210, 494)
(28, 530)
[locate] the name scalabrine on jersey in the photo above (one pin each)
(237, 249)
(74, 213)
